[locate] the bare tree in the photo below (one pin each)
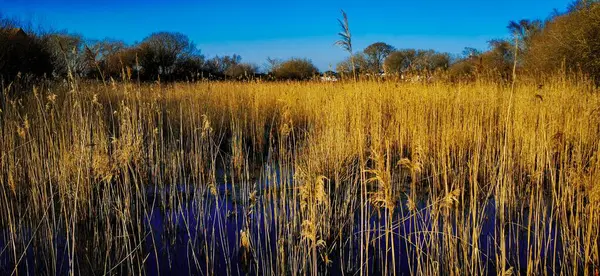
(470, 52)
(272, 64)
(523, 31)
(220, 65)
(376, 54)
(68, 53)
(160, 51)
(356, 64)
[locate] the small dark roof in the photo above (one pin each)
(13, 32)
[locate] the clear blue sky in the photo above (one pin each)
(283, 29)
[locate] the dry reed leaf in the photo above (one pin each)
(245, 240)
(11, 181)
(411, 205)
(451, 199)
(309, 231)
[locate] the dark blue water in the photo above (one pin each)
(200, 236)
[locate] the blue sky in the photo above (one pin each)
(282, 29)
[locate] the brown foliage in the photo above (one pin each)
(569, 43)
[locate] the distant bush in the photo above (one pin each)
(295, 69)
(399, 61)
(241, 71)
(463, 70)
(361, 66)
(189, 68)
(120, 63)
(493, 65)
(413, 61)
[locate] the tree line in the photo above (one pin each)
(161, 55)
(564, 42)
(168, 56)
(567, 43)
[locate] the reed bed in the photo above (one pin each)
(301, 178)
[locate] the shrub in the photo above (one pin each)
(241, 71)
(295, 69)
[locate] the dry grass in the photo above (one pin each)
(368, 160)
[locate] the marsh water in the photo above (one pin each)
(183, 230)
